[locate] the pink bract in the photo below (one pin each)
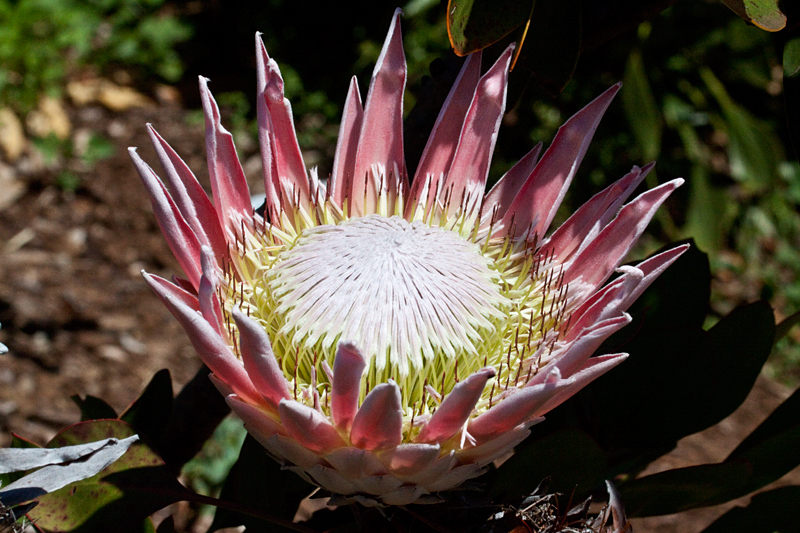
(387, 340)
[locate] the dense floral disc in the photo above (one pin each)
(388, 338)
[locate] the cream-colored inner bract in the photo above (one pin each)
(427, 304)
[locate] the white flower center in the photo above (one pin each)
(405, 293)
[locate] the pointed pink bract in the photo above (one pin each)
(284, 169)
(456, 408)
(465, 182)
(434, 165)
(381, 139)
(538, 200)
(341, 182)
(227, 177)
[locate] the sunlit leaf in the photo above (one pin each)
(56, 468)
(16, 459)
(95, 504)
(473, 25)
(791, 58)
(765, 14)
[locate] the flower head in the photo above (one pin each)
(388, 340)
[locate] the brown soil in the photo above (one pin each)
(79, 319)
(76, 313)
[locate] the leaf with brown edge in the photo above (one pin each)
(765, 14)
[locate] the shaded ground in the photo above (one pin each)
(76, 313)
(79, 319)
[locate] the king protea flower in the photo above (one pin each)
(387, 340)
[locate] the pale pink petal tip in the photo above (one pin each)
(189, 196)
(456, 408)
(379, 422)
(466, 178)
(347, 370)
(309, 427)
(346, 146)
(281, 156)
(179, 235)
(513, 410)
(443, 140)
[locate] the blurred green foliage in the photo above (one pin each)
(206, 473)
(42, 41)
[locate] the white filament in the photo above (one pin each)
(404, 292)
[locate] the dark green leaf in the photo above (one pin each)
(167, 526)
(257, 481)
(722, 374)
(763, 13)
(680, 489)
(649, 399)
(741, 343)
(93, 408)
(573, 459)
(677, 299)
(150, 413)
(19, 442)
(775, 511)
(475, 24)
(552, 43)
(649, 402)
